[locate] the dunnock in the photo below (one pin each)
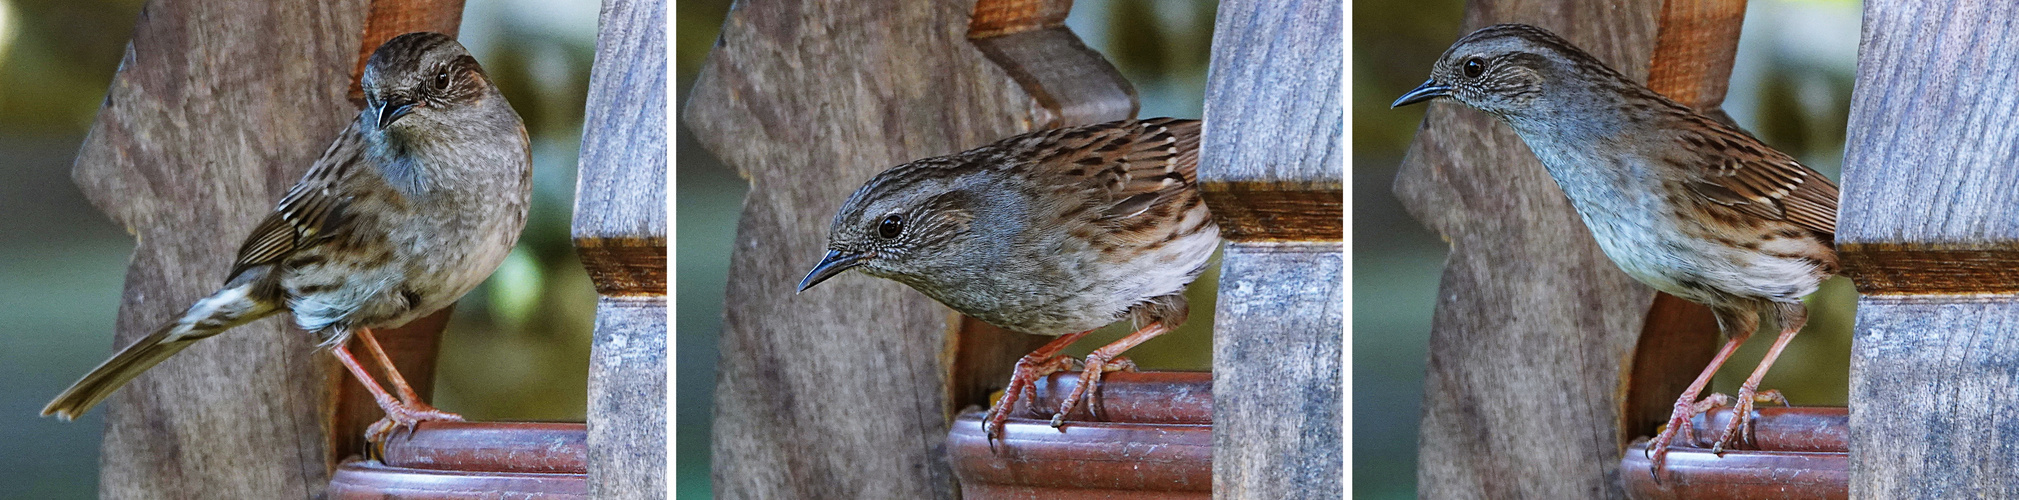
(1678, 200)
(1056, 232)
(416, 202)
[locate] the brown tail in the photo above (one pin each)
(213, 315)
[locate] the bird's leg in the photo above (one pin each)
(1793, 316)
(1039, 363)
(406, 392)
(1101, 361)
(1737, 325)
(405, 412)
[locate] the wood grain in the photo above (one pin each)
(1694, 47)
(620, 232)
(1930, 201)
(217, 108)
(1271, 166)
(1524, 388)
(839, 392)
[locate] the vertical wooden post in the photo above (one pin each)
(1533, 326)
(1272, 166)
(842, 392)
(216, 110)
(620, 233)
(1695, 44)
(413, 346)
(1929, 224)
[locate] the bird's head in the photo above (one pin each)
(417, 82)
(911, 224)
(1510, 70)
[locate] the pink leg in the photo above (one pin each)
(1098, 363)
(1678, 420)
(1793, 316)
(1039, 363)
(407, 411)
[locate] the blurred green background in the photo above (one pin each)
(1791, 86)
(517, 348)
(1160, 46)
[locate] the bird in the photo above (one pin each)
(1055, 232)
(417, 200)
(1680, 200)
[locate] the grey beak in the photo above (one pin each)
(393, 109)
(832, 264)
(1427, 91)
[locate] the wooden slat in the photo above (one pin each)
(1524, 387)
(1928, 228)
(210, 118)
(413, 346)
(1271, 166)
(1696, 43)
(840, 392)
(620, 233)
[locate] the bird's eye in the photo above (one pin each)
(1474, 67)
(442, 80)
(890, 227)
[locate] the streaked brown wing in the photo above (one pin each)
(1764, 183)
(1144, 171)
(310, 211)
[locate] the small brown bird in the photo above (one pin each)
(416, 202)
(1680, 201)
(1056, 232)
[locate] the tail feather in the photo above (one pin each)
(115, 372)
(213, 315)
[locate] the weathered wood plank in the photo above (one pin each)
(216, 110)
(1533, 324)
(1271, 168)
(840, 392)
(1928, 185)
(620, 232)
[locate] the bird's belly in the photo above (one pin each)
(423, 269)
(1701, 271)
(1065, 296)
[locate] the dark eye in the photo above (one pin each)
(1474, 67)
(892, 225)
(442, 80)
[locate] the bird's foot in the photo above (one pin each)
(1023, 380)
(1740, 429)
(1090, 376)
(405, 416)
(1677, 428)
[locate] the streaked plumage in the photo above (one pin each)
(1055, 232)
(413, 205)
(1680, 201)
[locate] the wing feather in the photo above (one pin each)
(311, 211)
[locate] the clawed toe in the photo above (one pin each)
(1740, 429)
(405, 418)
(1023, 385)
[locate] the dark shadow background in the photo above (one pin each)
(1791, 86)
(1160, 46)
(517, 348)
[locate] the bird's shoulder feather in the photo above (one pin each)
(1734, 170)
(311, 211)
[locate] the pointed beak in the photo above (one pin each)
(832, 264)
(1427, 91)
(393, 109)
